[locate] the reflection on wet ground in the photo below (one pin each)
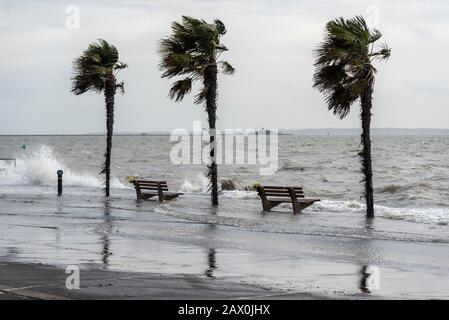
(108, 225)
(211, 263)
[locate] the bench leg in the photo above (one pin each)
(295, 205)
(138, 193)
(266, 205)
(296, 208)
(160, 192)
(300, 206)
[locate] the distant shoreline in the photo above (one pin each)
(299, 132)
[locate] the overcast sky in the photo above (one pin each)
(270, 44)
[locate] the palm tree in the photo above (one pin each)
(95, 70)
(345, 73)
(192, 51)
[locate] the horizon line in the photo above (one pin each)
(167, 131)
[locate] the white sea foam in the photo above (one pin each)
(199, 184)
(418, 215)
(39, 169)
(240, 194)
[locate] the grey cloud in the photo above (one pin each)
(270, 44)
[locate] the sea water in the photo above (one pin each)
(411, 174)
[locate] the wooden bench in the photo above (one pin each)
(146, 189)
(273, 196)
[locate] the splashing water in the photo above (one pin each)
(39, 169)
(199, 184)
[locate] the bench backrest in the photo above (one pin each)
(150, 185)
(274, 191)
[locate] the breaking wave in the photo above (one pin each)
(39, 169)
(438, 216)
(228, 188)
(199, 184)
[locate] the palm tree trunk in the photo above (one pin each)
(365, 154)
(109, 94)
(210, 82)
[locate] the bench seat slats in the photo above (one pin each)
(290, 200)
(282, 191)
(287, 200)
(275, 187)
(287, 195)
(280, 194)
(165, 193)
(151, 184)
(153, 188)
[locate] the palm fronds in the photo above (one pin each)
(94, 66)
(193, 45)
(343, 62)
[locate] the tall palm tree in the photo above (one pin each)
(95, 70)
(345, 73)
(192, 51)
